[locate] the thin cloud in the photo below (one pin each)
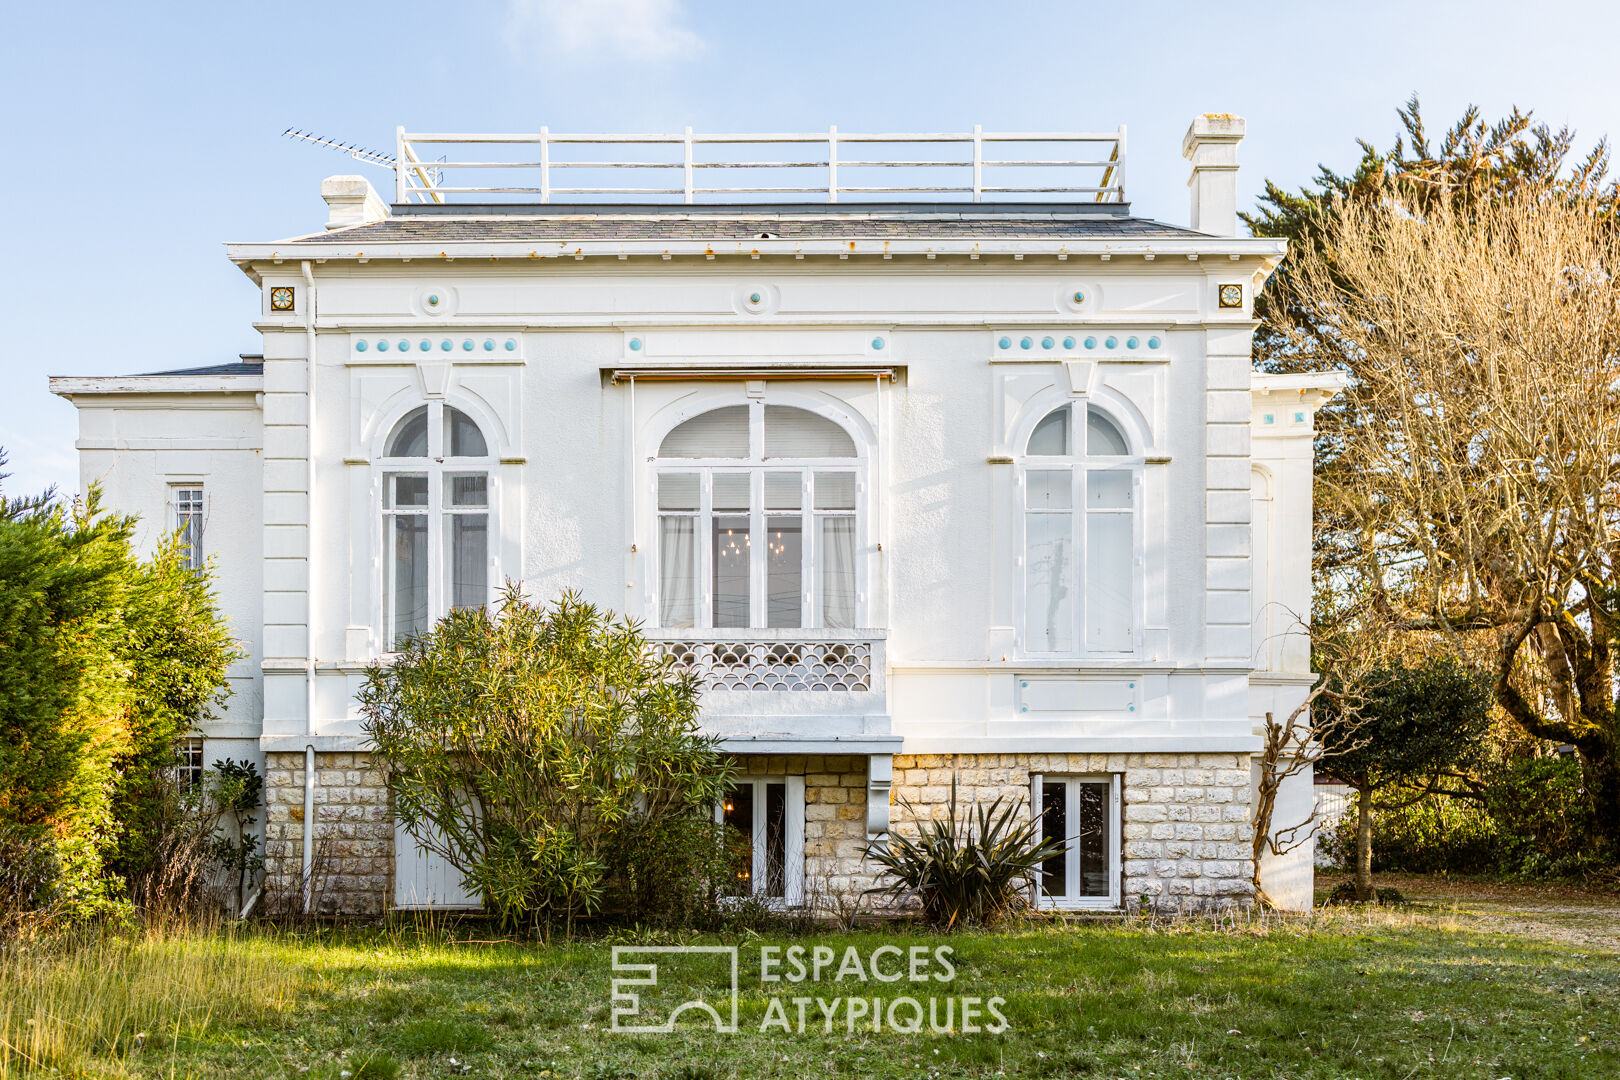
(631, 29)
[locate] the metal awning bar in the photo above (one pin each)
(1094, 164)
(713, 373)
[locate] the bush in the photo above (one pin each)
(106, 660)
(63, 713)
(1435, 836)
(1534, 822)
(1345, 893)
(177, 648)
(552, 757)
(200, 839)
(969, 869)
(1543, 817)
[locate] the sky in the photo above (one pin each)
(146, 136)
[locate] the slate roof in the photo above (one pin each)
(245, 366)
(448, 224)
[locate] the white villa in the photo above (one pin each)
(939, 464)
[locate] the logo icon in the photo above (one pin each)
(698, 972)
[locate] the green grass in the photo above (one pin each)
(1436, 991)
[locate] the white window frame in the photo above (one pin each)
(792, 840)
(182, 507)
(756, 466)
(1080, 466)
(1116, 846)
(192, 765)
(435, 467)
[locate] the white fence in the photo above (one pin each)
(1075, 166)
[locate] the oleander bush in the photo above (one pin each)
(553, 757)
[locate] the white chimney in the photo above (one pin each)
(351, 200)
(1211, 146)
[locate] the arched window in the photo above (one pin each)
(435, 507)
(757, 509)
(1080, 487)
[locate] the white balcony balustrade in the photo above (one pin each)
(788, 686)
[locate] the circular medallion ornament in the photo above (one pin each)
(438, 300)
(760, 299)
(281, 298)
(1076, 298)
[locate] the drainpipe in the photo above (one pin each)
(309, 826)
(309, 591)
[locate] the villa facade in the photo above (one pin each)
(926, 489)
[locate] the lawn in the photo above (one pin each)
(1466, 983)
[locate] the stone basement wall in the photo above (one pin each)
(1185, 818)
(834, 819)
(354, 835)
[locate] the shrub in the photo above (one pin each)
(1436, 835)
(106, 660)
(549, 754)
(177, 649)
(1543, 816)
(1533, 822)
(968, 869)
(63, 722)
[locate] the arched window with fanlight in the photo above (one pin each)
(436, 469)
(1081, 485)
(758, 509)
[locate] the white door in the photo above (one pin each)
(423, 880)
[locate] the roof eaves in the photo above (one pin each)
(1240, 247)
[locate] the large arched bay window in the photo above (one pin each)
(435, 505)
(1081, 486)
(757, 520)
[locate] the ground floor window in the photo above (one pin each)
(189, 770)
(1082, 814)
(764, 817)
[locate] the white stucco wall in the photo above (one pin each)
(1223, 501)
(138, 446)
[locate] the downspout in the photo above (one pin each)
(309, 592)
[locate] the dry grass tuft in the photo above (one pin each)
(73, 1006)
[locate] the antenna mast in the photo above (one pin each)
(359, 153)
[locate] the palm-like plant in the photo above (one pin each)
(969, 868)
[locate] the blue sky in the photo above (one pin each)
(144, 136)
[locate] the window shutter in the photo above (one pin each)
(718, 433)
(799, 433)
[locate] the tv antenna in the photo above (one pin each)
(359, 153)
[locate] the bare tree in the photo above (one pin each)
(1288, 748)
(1483, 469)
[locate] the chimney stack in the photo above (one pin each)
(1211, 146)
(351, 200)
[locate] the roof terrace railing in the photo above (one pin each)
(1071, 166)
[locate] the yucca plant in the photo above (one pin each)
(970, 868)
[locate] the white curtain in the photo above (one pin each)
(676, 575)
(468, 568)
(1048, 590)
(1108, 581)
(838, 572)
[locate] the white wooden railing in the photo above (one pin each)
(1087, 166)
